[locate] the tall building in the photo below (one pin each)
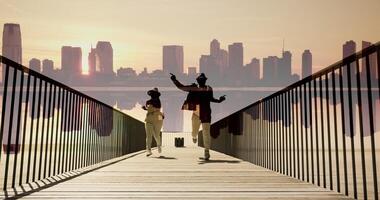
(48, 67)
(71, 60)
(235, 64)
(35, 64)
(307, 63)
(270, 71)
(285, 67)
(208, 65)
(172, 59)
(372, 64)
(223, 61)
(104, 58)
(71, 63)
(11, 44)
(92, 61)
(252, 71)
(77, 60)
(349, 48)
(214, 48)
(11, 48)
(235, 55)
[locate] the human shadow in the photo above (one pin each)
(166, 158)
(201, 162)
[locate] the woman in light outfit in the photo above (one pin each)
(153, 120)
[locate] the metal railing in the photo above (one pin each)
(48, 128)
(324, 129)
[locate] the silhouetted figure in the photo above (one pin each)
(198, 100)
(153, 120)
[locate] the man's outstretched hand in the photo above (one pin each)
(222, 98)
(172, 77)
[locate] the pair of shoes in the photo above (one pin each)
(207, 154)
(159, 149)
(148, 153)
(195, 140)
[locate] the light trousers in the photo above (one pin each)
(196, 124)
(153, 129)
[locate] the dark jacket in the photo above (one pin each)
(201, 96)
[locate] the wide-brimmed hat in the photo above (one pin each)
(154, 92)
(202, 76)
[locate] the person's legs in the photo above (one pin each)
(206, 139)
(157, 130)
(196, 123)
(149, 130)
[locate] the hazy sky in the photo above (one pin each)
(137, 29)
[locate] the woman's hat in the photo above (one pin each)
(154, 92)
(202, 76)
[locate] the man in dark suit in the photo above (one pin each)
(198, 100)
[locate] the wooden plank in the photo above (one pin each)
(180, 174)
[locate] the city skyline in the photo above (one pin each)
(138, 45)
(224, 67)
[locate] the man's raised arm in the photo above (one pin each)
(186, 88)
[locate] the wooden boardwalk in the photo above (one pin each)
(180, 174)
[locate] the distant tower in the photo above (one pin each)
(104, 57)
(48, 67)
(172, 59)
(11, 44)
(35, 64)
(235, 55)
(307, 63)
(77, 60)
(270, 71)
(214, 48)
(71, 61)
(253, 71)
(285, 67)
(92, 61)
(349, 48)
(11, 49)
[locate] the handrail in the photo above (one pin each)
(49, 128)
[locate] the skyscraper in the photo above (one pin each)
(252, 71)
(214, 48)
(223, 61)
(285, 68)
(48, 67)
(270, 72)
(11, 49)
(104, 58)
(92, 61)
(35, 64)
(71, 61)
(172, 59)
(235, 64)
(11, 44)
(349, 48)
(307, 63)
(208, 65)
(235, 56)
